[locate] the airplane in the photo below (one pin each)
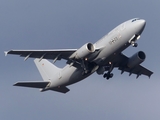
(101, 57)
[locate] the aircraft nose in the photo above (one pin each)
(140, 26)
(142, 23)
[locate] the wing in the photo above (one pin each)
(120, 62)
(46, 54)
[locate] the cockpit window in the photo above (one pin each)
(135, 19)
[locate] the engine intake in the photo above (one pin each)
(84, 52)
(136, 59)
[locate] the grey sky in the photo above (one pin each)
(51, 24)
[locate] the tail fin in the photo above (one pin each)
(46, 69)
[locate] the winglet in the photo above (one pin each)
(5, 53)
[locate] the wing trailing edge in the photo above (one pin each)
(43, 54)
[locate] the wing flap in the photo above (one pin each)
(36, 84)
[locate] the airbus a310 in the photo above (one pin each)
(101, 57)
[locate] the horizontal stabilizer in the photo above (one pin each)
(42, 84)
(61, 89)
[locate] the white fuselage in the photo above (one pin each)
(111, 44)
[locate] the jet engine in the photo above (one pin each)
(136, 59)
(84, 51)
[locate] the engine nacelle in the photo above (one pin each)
(136, 59)
(84, 51)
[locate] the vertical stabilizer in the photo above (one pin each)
(46, 69)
